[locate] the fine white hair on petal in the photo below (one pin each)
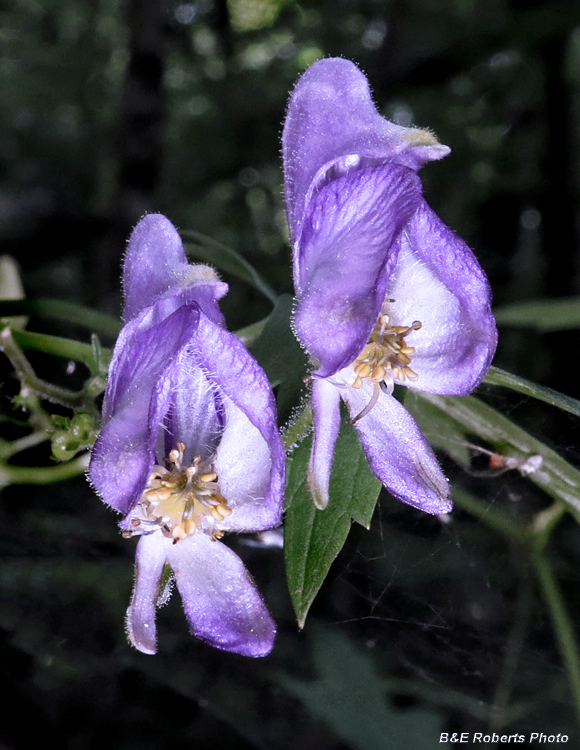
(243, 465)
(194, 418)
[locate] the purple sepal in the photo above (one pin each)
(155, 263)
(345, 257)
(138, 396)
(332, 125)
(397, 451)
(220, 600)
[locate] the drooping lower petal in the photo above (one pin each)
(397, 451)
(149, 562)
(347, 253)
(220, 599)
(438, 281)
(326, 418)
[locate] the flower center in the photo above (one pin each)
(386, 356)
(384, 359)
(178, 500)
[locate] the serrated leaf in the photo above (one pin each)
(208, 250)
(349, 696)
(543, 315)
(495, 376)
(313, 538)
(281, 357)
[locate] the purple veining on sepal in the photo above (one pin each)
(189, 448)
(386, 293)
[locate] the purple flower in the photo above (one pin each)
(386, 293)
(189, 448)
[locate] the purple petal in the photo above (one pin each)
(326, 418)
(139, 392)
(149, 562)
(237, 375)
(331, 115)
(153, 263)
(346, 255)
(439, 282)
(398, 452)
(219, 597)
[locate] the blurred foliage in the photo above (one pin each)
(111, 109)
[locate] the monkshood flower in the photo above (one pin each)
(189, 448)
(386, 293)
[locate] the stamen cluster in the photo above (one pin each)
(386, 356)
(178, 500)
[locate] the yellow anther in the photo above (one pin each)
(181, 500)
(364, 369)
(386, 356)
(211, 477)
(178, 533)
(163, 493)
(378, 374)
(398, 373)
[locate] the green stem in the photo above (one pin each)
(561, 622)
(513, 651)
(493, 518)
(68, 311)
(298, 429)
(42, 474)
(29, 380)
(11, 448)
(533, 539)
(60, 347)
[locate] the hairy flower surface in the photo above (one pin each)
(189, 448)
(386, 293)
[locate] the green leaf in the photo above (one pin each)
(543, 315)
(69, 311)
(208, 250)
(495, 376)
(349, 696)
(278, 352)
(313, 538)
(451, 419)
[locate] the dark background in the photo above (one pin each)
(110, 109)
